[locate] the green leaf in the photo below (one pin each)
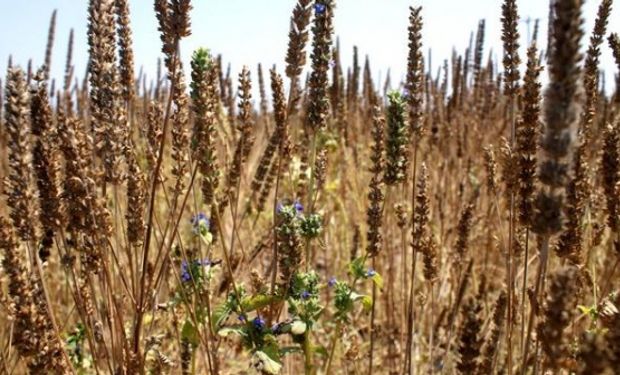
(257, 302)
(224, 332)
(367, 303)
(219, 315)
(272, 350)
(190, 333)
(356, 267)
(320, 350)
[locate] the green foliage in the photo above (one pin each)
(189, 333)
(75, 348)
(311, 225)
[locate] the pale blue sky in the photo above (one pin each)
(252, 31)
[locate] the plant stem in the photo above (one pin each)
(372, 321)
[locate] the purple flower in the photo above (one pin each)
(191, 269)
(332, 282)
(319, 8)
(371, 272)
(200, 223)
(241, 318)
(305, 294)
(185, 272)
(332, 63)
(298, 207)
(281, 207)
(258, 323)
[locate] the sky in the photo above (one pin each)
(247, 32)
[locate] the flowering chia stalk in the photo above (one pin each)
(397, 141)
(205, 101)
(289, 243)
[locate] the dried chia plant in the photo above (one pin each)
(491, 346)
(464, 230)
(558, 313)
(296, 53)
(125, 49)
(375, 195)
(45, 163)
(491, 169)
(511, 60)
(470, 341)
(50, 45)
(322, 30)
(528, 130)
(561, 115)
(17, 186)
(105, 103)
(415, 74)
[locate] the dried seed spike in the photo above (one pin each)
(510, 37)
(126, 60)
(18, 182)
(561, 114)
(318, 106)
(558, 313)
(50, 44)
(527, 133)
(296, 51)
(479, 50)
(470, 341)
(375, 195)
(491, 167)
(45, 163)
(464, 231)
(491, 348)
(415, 74)
(610, 168)
(136, 200)
(614, 44)
(591, 73)
(105, 99)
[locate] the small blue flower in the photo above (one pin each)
(286, 206)
(241, 318)
(298, 207)
(258, 323)
(319, 8)
(185, 272)
(200, 223)
(371, 272)
(305, 294)
(192, 269)
(332, 63)
(332, 282)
